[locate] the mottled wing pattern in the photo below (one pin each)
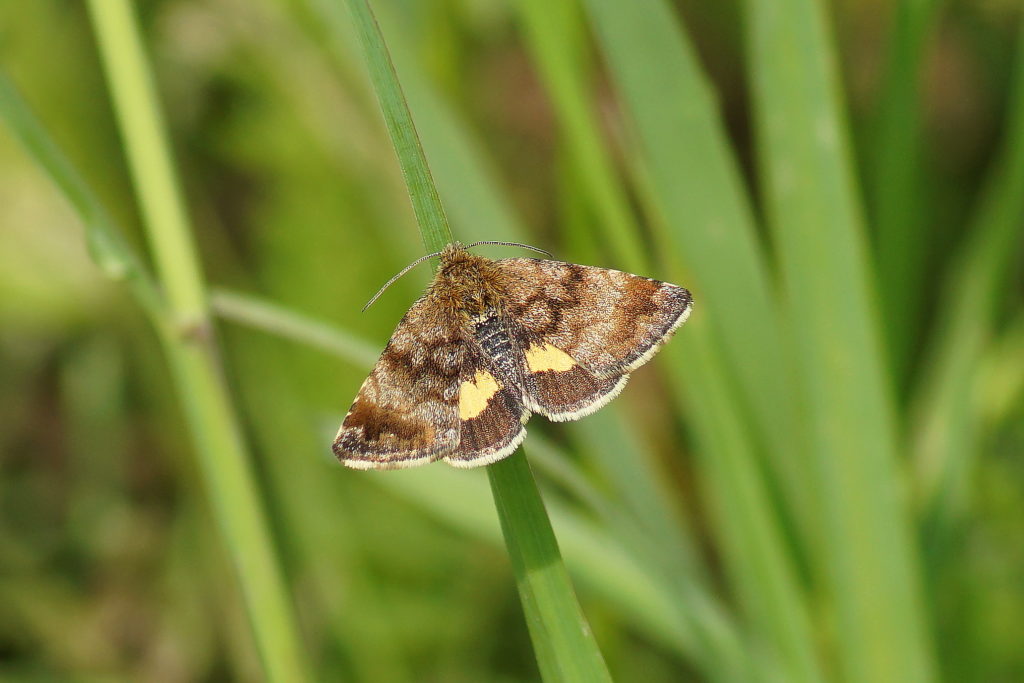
(491, 413)
(583, 329)
(407, 410)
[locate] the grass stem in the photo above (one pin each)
(188, 342)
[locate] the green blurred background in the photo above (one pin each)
(694, 542)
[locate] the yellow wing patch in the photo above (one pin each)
(474, 395)
(548, 357)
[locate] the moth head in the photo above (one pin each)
(465, 282)
(462, 275)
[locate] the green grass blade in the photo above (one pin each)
(598, 562)
(555, 33)
(945, 439)
(430, 215)
(694, 188)
(754, 550)
(563, 643)
(696, 184)
(224, 462)
(814, 212)
(286, 323)
(106, 243)
(999, 388)
(553, 615)
(142, 124)
(896, 183)
(478, 208)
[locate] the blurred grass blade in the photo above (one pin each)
(106, 243)
(757, 563)
(456, 160)
(814, 212)
(700, 197)
(566, 650)
(945, 440)
(223, 459)
(696, 197)
(896, 184)
(426, 204)
(563, 644)
(286, 323)
(999, 389)
(598, 562)
(555, 36)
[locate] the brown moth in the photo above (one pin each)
(491, 342)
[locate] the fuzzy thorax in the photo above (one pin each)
(466, 285)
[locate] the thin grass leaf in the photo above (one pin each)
(945, 435)
(223, 457)
(814, 212)
(426, 204)
(999, 389)
(697, 199)
(107, 245)
(284, 322)
(555, 36)
(479, 208)
(618, 453)
(896, 182)
(700, 200)
(553, 614)
(754, 549)
(563, 643)
(596, 559)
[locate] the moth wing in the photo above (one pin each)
(406, 412)
(583, 329)
(491, 414)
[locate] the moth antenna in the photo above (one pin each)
(405, 270)
(513, 244)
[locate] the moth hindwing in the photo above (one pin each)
(492, 341)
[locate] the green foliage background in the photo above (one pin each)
(819, 479)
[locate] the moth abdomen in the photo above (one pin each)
(495, 340)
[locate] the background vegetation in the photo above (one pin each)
(819, 479)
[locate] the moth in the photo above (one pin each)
(493, 341)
